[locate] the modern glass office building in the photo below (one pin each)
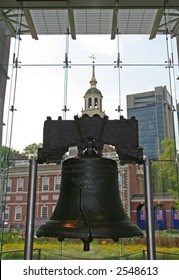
(154, 112)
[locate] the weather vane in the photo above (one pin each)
(93, 58)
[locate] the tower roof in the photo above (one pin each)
(93, 90)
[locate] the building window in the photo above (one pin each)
(45, 183)
(8, 185)
(18, 213)
(90, 103)
(19, 198)
(44, 212)
(6, 213)
(20, 185)
(6, 198)
(57, 182)
(44, 197)
(96, 102)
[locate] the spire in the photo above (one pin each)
(93, 81)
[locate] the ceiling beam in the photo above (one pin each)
(114, 24)
(175, 29)
(8, 23)
(72, 23)
(30, 23)
(156, 23)
(84, 4)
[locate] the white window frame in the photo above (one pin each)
(7, 185)
(19, 197)
(6, 213)
(42, 211)
(18, 213)
(45, 197)
(53, 208)
(55, 197)
(45, 183)
(57, 182)
(20, 186)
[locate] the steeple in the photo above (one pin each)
(93, 97)
(93, 81)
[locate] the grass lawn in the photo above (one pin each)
(99, 249)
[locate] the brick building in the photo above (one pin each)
(16, 191)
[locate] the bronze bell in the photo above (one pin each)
(89, 204)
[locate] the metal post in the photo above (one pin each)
(150, 227)
(29, 234)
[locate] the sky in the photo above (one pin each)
(40, 84)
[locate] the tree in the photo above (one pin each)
(165, 171)
(31, 151)
(7, 156)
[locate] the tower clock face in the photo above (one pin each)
(158, 97)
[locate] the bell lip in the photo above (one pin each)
(98, 230)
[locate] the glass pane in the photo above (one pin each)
(140, 69)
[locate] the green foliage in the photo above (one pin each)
(168, 147)
(31, 151)
(9, 237)
(7, 156)
(18, 255)
(176, 205)
(164, 171)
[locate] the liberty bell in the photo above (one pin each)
(89, 204)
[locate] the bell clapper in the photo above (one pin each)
(86, 242)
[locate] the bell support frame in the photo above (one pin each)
(90, 133)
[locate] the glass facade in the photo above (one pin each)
(152, 118)
(151, 128)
